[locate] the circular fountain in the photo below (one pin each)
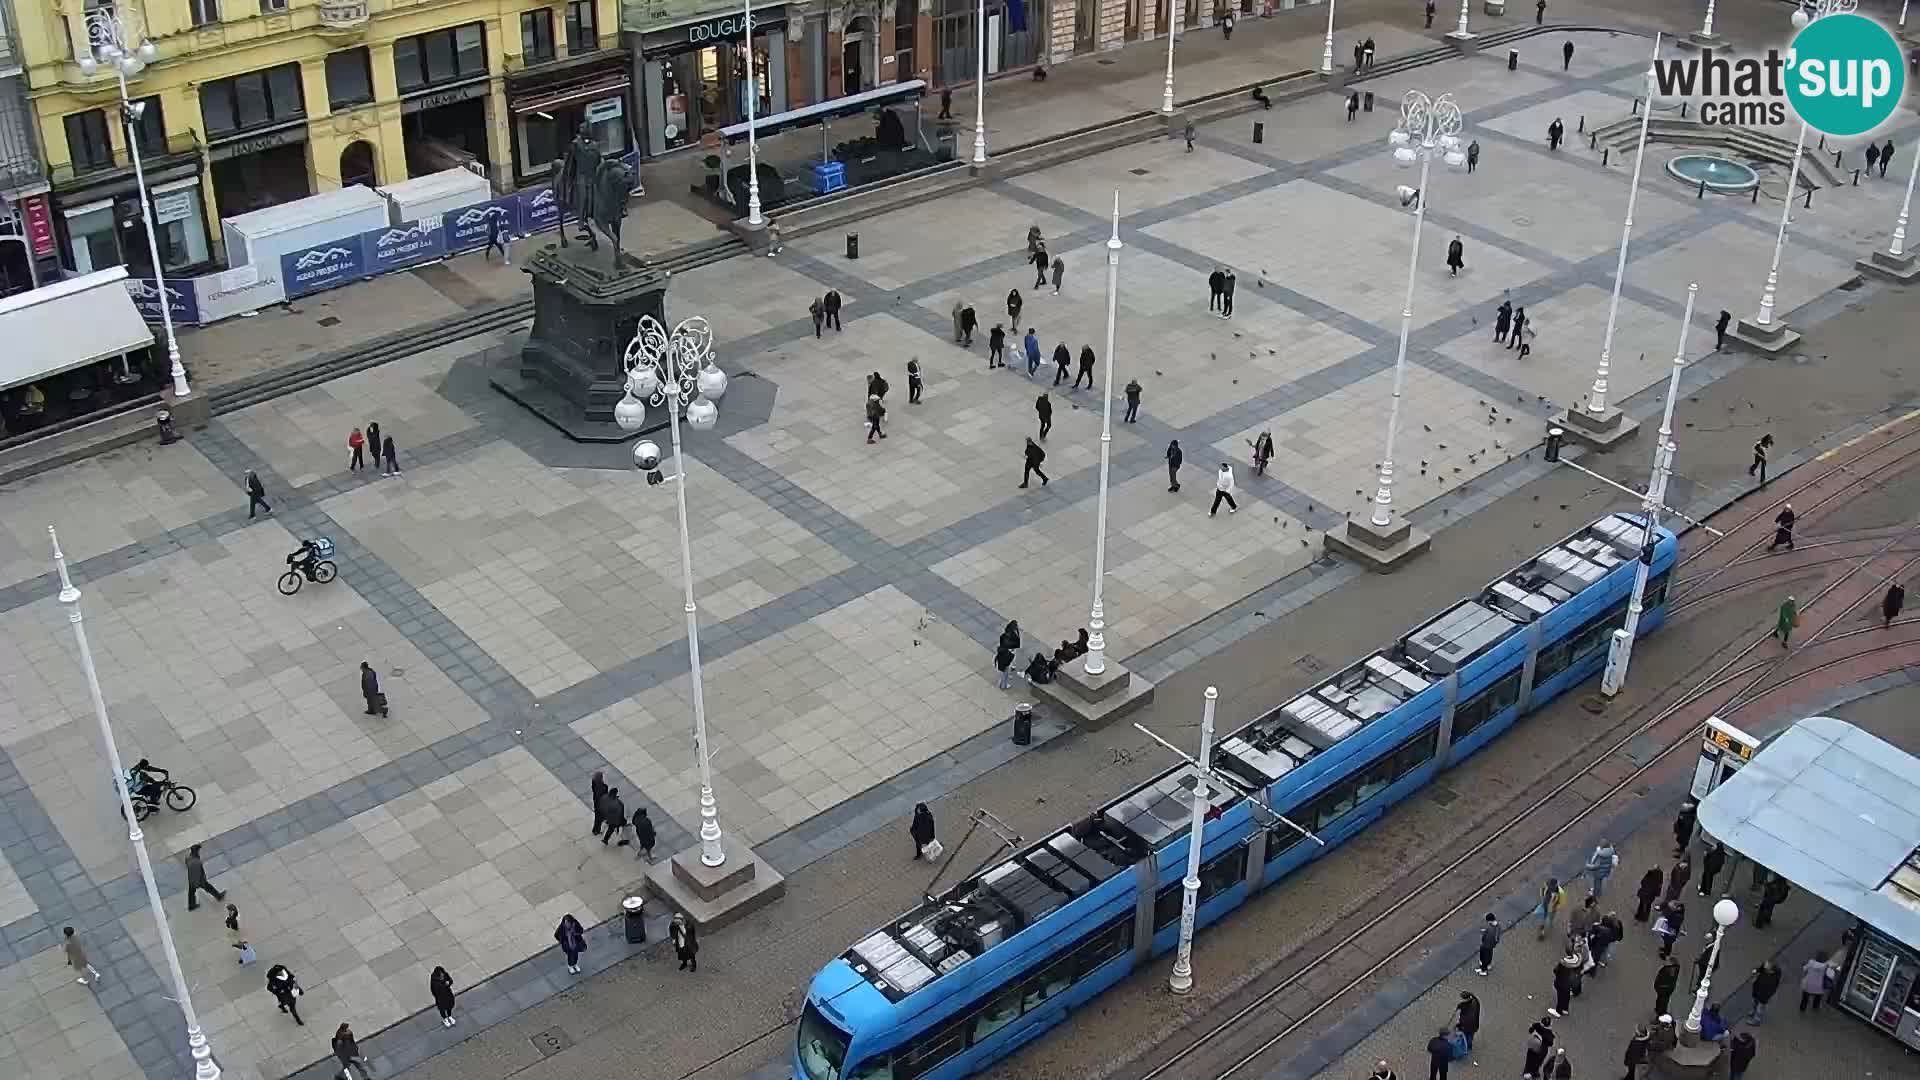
(1720, 174)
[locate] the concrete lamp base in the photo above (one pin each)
(754, 236)
(1697, 1061)
(1698, 40)
(1465, 42)
(1603, 432)
(1176, 122)
(1377, 550)
(1095, 701)
(1899, 269)
(1770, 339)
(713, 896)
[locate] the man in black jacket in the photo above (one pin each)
(1043, 405)
(1216, 284)
(1664, 982)
(1467, 1017)
(1035, 455)
(1439, 1055)
(1174, 458)
(832, 306)
(370, 689)
(1766, 983)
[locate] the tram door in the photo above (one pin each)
(1723, 750)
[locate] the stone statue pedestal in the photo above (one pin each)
(585, 309)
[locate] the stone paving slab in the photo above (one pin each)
(1149, 174)
(904, 246)
(1706, 257)
(51, 1027)
(1565, 357)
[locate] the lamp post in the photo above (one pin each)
(1650, 506)
(1429, 128)
(1326, 52)
(1706, 28)
(665, 368)
(1096, 662)
(1460, 32)
(1804, 14)
(753, 143)
(110, 33)
(1597, 399)
(1181, 981)
(204, 1067)
(1898, 248)
(980, 90)
(1725, 914)
(1166, 95)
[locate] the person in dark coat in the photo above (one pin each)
(1683, 824)
(197, 879)
(876, 412)
(1891, 604)
(1519, 334)
(283, 986)
(1669, 926)
(440, 985)
(1759, 463)
(1639, 1052)
(686, 941)
(1502, 321)
(1765, 983)
(1886, 157)
(1040, 263)
(1226, 294)
(1783, 528)
(347, 1049)
(1771, 897)
(616, 809)
(573, 940)
(1174, 458)
(1720, 329)
(1710, 866)
(1665, 981)
(1467, 1016)
(1456, 257)
(1043, 406)
(497, 238)
(831, 302)
(1014, 304)
(1035, 455)
(1086, 367)
(643, 835)
(392, 456)
(1353, 99)
(1555, 132)
(1010, 635)
(1003, 663)
(373, 441)
(1439, 1055)
(819, 312)
(914, 384)
(1740, 1054)
(1873, 157)
(1059, 271)
(1133, 405)
(969, 320)
(878, 386)
(1216, 284)
(256, 495)
(1563, 973)
(1062, 360)
(1032, 344)
(1566, 56)
(997, 347)
(370, 689)
(599, 789)
(1539, 1045)
(921, 829)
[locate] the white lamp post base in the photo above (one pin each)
(716, 895)
(1380, 550)
(1903, 269)
(1604, 431)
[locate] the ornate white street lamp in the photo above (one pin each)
(111, 33)
(1326, 52)
(1460, 32)
(753, 143)
(204, 1067)
(1725, 914)
(666, 369)
(1804, 14)
(980, 90)
(1596, 409)
(1181, 980)
(1096, 662)
(1898, 248)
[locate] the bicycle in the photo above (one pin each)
(324, 569)
(178, 797)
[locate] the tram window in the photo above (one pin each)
(1335, 804)
(927, 1052)
(1656, 592)
(1553, 660)
(1223, 872)
(1049, 983)
(1002, 1011)
(1115, 939)
(878, 1068)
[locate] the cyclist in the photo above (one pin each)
(144, 780)
(305, 559)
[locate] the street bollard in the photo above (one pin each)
(1636, 107)
(853, 245)
(1583, 123)
(1593, 141)
(1808, 205)
(1856, 178)
(1683, 110)
(634, 916)
(1702, 193)
(1823, 142)
(1513, 59)
(1023, 724)
(1259, 132)
(1366, 102)
(1756, 195)
(1604, 154)
(1836, 159)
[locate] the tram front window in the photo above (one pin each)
(822, 1047)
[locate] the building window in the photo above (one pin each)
(443, 56)
(151, 128)
(349, 78)
(179, 225)
(272, 7)
(87, 140)
(92, 239)
(582, 35)
(905, 14)
(256, 99)
(536, 36)
(204, 12)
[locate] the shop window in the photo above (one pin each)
(87, 140)
(94, 247)
(583, 35)
(204, 12)
(440, 57)
(905, 14)
(272, 7)
(151, 128)
(256, 99)
(349, 78)
(179, 226)
(536, 36)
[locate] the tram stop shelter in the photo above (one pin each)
(1836, 812)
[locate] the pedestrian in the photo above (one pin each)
(1174, 458)
(1059, 271)
(1133, 412)
(1566, 56)
(616, 819)
(1062, 360)
(573, 940)
(1783, 528)
(1216, 284)
(1668, 926)
(1262, 445)
(1226, 27)
(1713, 1026)
(1678, 877)
(1429, 14)
(921, 829)
(84, 973)
(1086, 367)
(1740, 1055)
(686, 941)
(1873, 157)
(1582, 919)
(1720, 329)
(832, 305)
(1605, 933)
(1771, 897)
(1189, 135)
(197, 879)
(1539, 1045)
(996, 347)
(968, 321)
(256, 495)
(819, 312)
(1489, 940)
(1600, 866)
(347, 1049)
(1040, 262)
(1035, 455)
(1665, 982)
(1886, 157)
(1456, 257)
(1226, 295)
(1439, 1054)
(876, 412)
(1382, 1071)
(1701, 964)
(1466, 1016)
(1555, 132)
(1547, 906)
(356, 450)
(1639, 1056)
(946, 103)
(644, 836)
(1710, 866)
(286, 990)
(1353, 100)
(1783, 625)
(1043, 406)
(373, 441)
(877, 385)
(959, 328)
(1502, 321)
(914, 383)
(370, 689)
(1473, 156)
(1759, 463)
(1003, 663)
(1033, 352)
(774, 244)
(1563, 973)
(1014, 304)
(1683, 823)
(1223, 491)
(392, 466)
(1560, 1068)
(1539, 12)
(599, 791)
(1765, 983)
(1815, 977)
(440, 985)
(1650, 887)
(1359, 59)
(1519, 328)
(1366, 53)
(233, 926)
(1891, 604)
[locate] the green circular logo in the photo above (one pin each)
(1845, 75)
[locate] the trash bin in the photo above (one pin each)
(1259, 131)
(1366, 102)
(853, 245)
(633, 908)
(1513, 59)
(164, 421)
(1023, 724)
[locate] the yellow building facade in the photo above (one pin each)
(251, 103)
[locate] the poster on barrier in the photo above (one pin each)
(182, 303)
(538, 211)
(237, 291)
(401, 246)
(323, 266)
(466, 228)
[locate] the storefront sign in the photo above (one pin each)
(173, 206)
(323, 266)
(697, 33)
(39, 219)
(538, 211)
(466, 228)
(406, 245)
(437, 98)
(180, 298)
(234, 148)
(605, 109)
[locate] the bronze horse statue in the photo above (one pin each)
(594, 189)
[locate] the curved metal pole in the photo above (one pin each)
(1597, 399)
(1181, 980)
(1096, 663)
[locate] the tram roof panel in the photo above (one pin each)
(1837, 812)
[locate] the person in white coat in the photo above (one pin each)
(1223, 491)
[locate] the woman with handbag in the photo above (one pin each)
(286, 990)
(921, 830)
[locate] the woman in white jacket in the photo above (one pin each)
(1223, 490)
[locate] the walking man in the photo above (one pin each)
(1720, 329)
(599, 791)
(256, 495)
(1133, 415)
(1062, 360)
(1710, 866)
(1353, 100)
(1783, 528)
(1502, 321)
(616, 819)
(370, 689)
(1759, 463)
(1664, 982)
(876, 412)
(1886, 158)
(1223, 491)
(1555, 132)
(496, 238)
(1566, 56)
(392, 467)
(1033, 352)
(1059, 271)
(1086, 367)
(1216, 284)
(1189, 135)
(832, 304)
(1429, 14)
(1014, 304)
(643, 835)
(1783, 626)
(1766, 983)
(686, 941)
(968, 321)
(1873, 157)
(285, 990)
(347, 1049)
(914, 383)
(1519, 328)
(1226, 295)
(1456, 257)
(1473, 156)
(197, 879)
(1467, 1017)
(1035, 455)
(84, 973)
(1600, 865)
(996, 347)
(1174, 458)
(1039, 261)
(1890, 606)
(1043, 405)
(1439, 1055)
(1489, 940)
(819, 312)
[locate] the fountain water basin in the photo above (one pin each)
(1723, 175)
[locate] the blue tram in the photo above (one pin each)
(968, 976)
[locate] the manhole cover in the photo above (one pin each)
(1444, 795)
(331, 320)
(1310, 664)
(1109, 63)
(1139, 172)
(1523, 221)
(551, 1041)
(1595, 705)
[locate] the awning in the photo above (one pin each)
(851, 105)
(67, 325)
